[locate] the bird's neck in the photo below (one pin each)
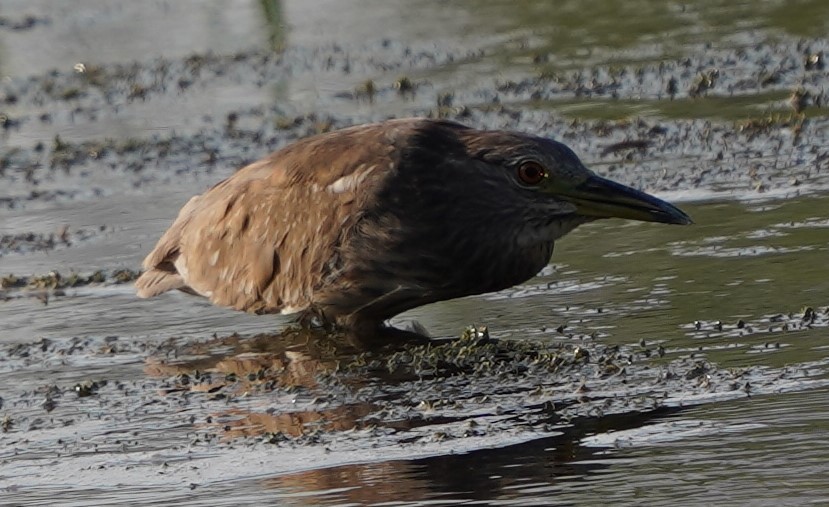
(547, 230)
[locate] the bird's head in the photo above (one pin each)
(544, 170)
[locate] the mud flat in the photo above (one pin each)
(233, 407)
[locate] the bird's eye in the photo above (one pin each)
(531, 173)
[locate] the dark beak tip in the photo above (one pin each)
(670, 214)
(682, 220)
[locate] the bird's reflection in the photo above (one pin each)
(304, 385)
(293, 360)
(293, 424)
(539, 468)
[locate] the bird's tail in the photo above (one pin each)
(156, 281)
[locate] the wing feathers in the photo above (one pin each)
(264, 239)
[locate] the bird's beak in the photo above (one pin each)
(601, 198)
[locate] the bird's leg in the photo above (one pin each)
(314, 319)
(410, 326)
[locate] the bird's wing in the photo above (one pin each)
(263, 239)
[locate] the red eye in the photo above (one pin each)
(531, 173)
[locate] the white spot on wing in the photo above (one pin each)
(350, 182)
(287, 310)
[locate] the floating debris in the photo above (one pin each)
(54, 280)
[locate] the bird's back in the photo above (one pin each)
(264, 239)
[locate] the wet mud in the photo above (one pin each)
(783, 135)
(188, 407)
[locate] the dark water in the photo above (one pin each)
(721, 290)
(721, 454)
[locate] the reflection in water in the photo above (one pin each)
(236, 366)
(274, 17)
(738, 447)
(240, 423)
(523, 470)
(295, 359)
(440, 385)
(291, 359)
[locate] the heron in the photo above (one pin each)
(352, 227)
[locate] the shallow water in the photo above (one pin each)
(724, 306)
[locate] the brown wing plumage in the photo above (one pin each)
(263, 239)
